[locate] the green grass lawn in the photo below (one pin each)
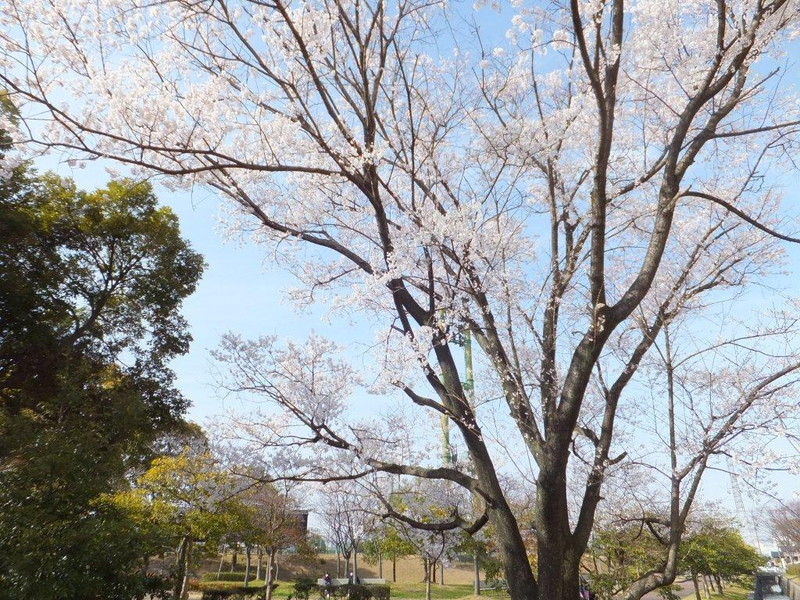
(416, 591)
(438, 592)
(731, 593)
(400, 591)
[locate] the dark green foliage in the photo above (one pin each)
(380, 592)
(358, 592)
(156, 587)
(90, 291)
(303, 587)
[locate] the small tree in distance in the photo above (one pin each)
(784, 521)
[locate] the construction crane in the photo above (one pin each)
(747, 520)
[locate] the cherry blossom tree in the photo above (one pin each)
(607, 170)
(784, 520)
(346, 510)
(419, 507)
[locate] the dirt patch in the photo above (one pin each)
(408, 570)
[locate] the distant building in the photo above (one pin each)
(789, 555)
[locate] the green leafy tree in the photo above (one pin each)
(619, 554)
(387, 544)
(718, 552)
(91, 286)
(193, 499)
(272, 524)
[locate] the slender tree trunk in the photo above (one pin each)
(476, 568)
(696, 586)
(247, 565)
(221, 561)
(260, 564)
(426, 563)
(380, 565)
(347, 566)
(271, 551)
(234, 556)
(355, 563)
(338, 564)
(394, 569)
(185, 556)
(180, 564)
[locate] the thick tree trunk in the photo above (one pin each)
(558, 563)
(516, 567)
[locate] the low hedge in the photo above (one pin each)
(234, 593)
(353, 592)
(303, 587)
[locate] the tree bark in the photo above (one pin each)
(221, 561)
(180, 564)
(247, 565)
(183, 561)
(268, 579)
(427, 566)
(696, 587)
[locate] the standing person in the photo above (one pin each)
(326, 580)
(350, 578)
